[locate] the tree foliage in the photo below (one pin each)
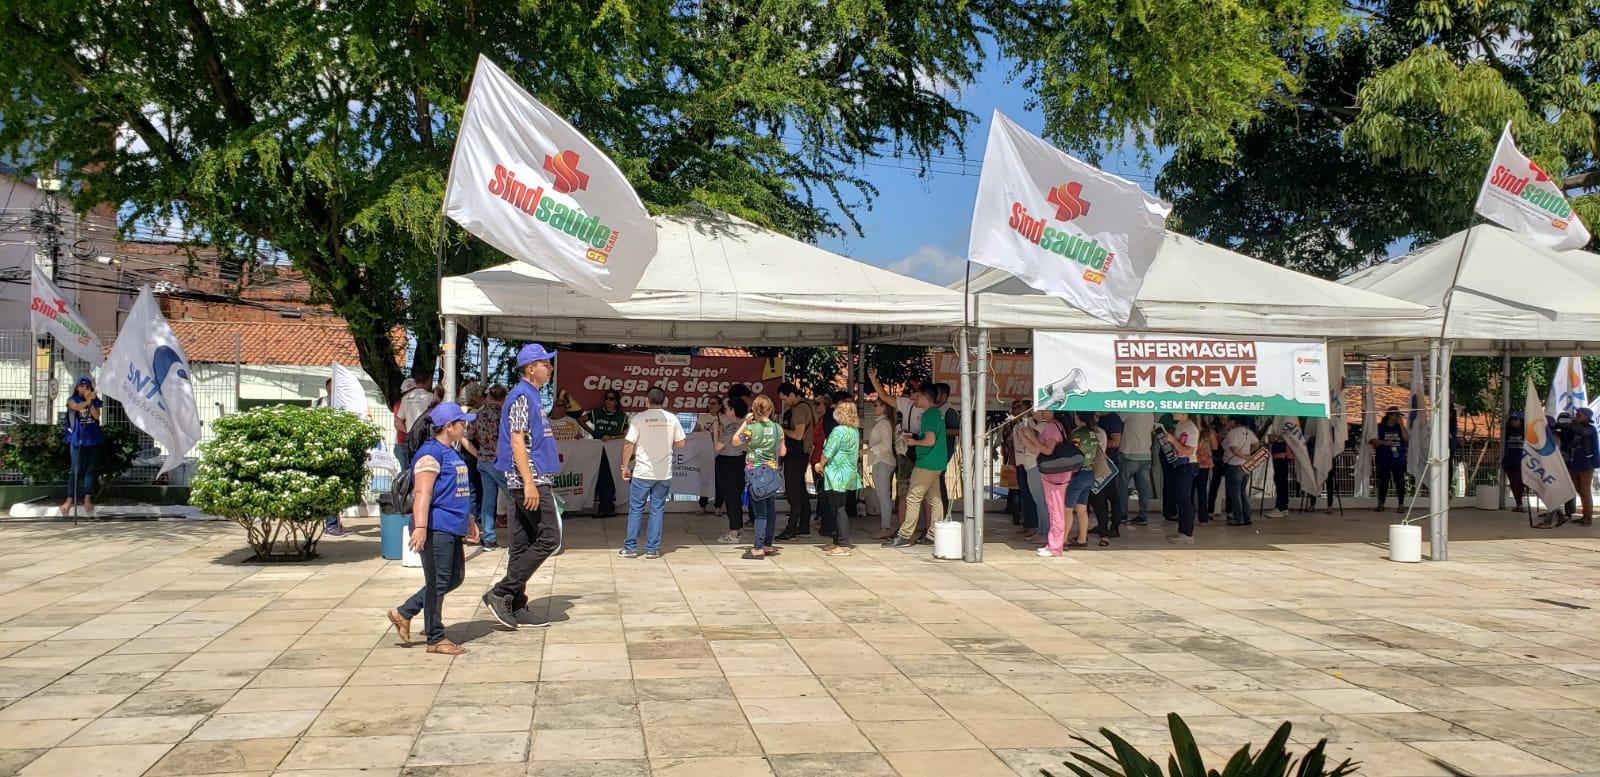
(1318, 133)
(320, 132)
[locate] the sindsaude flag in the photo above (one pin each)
(1519, 196)
(524, 181)
(1063, 226)
(53, 315)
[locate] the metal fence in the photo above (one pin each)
(216, 388)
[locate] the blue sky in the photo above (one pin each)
(918, 224)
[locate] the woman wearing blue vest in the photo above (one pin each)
(83, 437)
(441, 517)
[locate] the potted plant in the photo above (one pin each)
(280, 470)
(1273, 760)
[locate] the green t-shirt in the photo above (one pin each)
(761, 442)
(843, 451)
(608, 424)
(933, 457)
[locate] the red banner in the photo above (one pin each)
(691, 382)
(1010, 376)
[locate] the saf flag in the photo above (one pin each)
(149, 374)
(1063, 226)
(1519, 196)
(524, 181)
(53, 315)
(1543, 469)
(1568, 391)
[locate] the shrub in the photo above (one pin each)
(1274, 760)
(280, 470)
(39, 452)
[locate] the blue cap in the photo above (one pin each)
(533, 352)
(86, 381)
(446, 413)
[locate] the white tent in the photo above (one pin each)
(1502, 294)
(716, 279)
(1202, 288)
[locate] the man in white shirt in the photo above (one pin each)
(1237, 446)
(416, 399)
(1136, 431)
(647, 468)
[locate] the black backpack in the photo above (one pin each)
(399, 499)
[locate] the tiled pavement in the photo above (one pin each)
(151, 648)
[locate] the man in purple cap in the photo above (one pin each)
(527, 455)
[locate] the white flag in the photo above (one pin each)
(1568, 391)
(1294, 435)
(1519, 196)
(527, 183)
(1420, 439)
(55, 316)
(149, 373)
(1063, 226)
(1369, 431)
(1543, 469)
(347, 394)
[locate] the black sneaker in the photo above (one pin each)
(486, 545)
(625, 553)
(792, 536)
(649, 554)
(1140, 521)
(500, 610)
(525, 617)
(898, 542)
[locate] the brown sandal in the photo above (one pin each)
(401, 626)
(446, 647)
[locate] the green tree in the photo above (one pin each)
(321, 131)
(1318, 133)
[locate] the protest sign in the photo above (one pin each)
(1158, 373)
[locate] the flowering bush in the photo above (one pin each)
(280, 470)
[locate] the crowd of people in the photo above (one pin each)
(1579, 444)
(1078, 475)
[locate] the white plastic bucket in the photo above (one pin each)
(947, 539)
(1488, 498)
(1405, 543)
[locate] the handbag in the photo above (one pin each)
(763, 481)
(1065, 458)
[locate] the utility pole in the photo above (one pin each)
(47, 228)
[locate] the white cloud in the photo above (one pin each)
(932, 263)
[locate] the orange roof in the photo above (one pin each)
(315, 342)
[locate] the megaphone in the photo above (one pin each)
(1074, 384)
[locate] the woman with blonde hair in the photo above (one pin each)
(880, 457)
(840, 468)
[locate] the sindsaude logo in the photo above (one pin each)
(1543, 199)
(601, 239)
(1069, 204)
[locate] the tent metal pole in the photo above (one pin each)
(1439, 453)
(483, 351)
(967, 515)
(449, 357)
(1505, 413)
(980, 442)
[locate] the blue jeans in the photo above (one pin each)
(1238, 496)
(444, 565)
(1138, 471)
(494, 481)
(765, 512)
(84, 460)
(639, 490)
(332, 522)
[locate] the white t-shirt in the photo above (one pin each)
(1136, 429)
(652, 433)
(910, 414)
(1238, 437)
(1189, 435)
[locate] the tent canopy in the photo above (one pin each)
(1201, 288)
(1510, 294)
(715, 279)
